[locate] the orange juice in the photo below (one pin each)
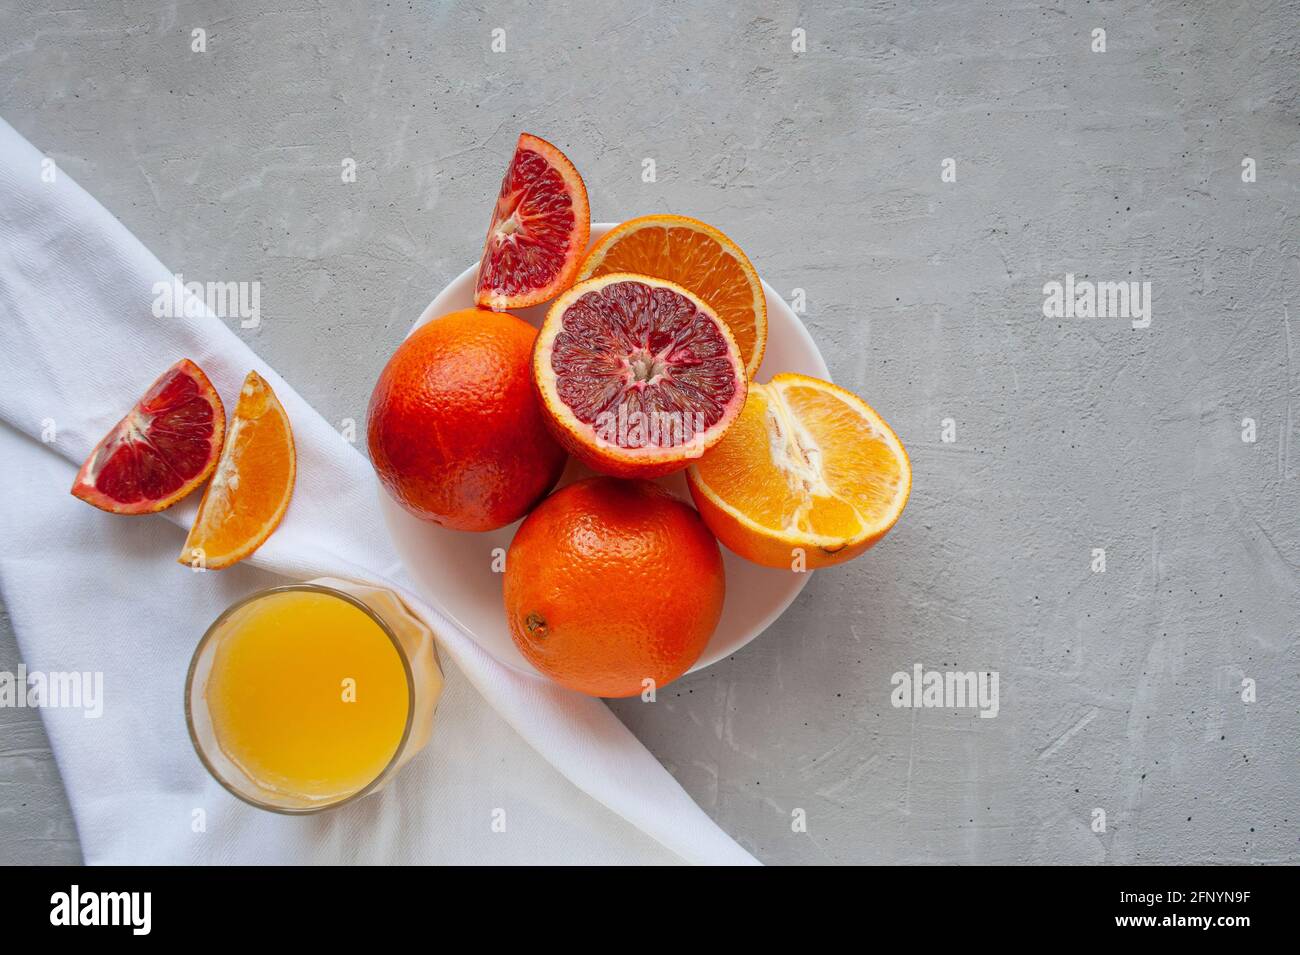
(308, 694)
(302, 697)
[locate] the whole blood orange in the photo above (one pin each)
(455, 432)
(638, 376)
(613, 583)
(163, 449)
(539, 229)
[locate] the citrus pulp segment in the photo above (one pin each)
(809, 473)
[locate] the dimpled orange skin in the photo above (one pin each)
(455, 432)
(609, 583)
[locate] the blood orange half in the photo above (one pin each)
(539, 229)
(637, 376)
(163, 449)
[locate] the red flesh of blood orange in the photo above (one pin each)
(539, 230)
(637, 376)
(163, 449)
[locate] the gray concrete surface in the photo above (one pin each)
(1120, 691)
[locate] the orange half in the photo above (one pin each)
(698, 257)
(808, 475)
(251, 486)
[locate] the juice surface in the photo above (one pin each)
(307, 694)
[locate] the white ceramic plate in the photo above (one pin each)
(453, 569)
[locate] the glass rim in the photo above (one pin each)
(207, 637)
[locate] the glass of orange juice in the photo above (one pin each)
(304, 697)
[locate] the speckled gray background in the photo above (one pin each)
(1120, 691)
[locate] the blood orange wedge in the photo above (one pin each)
(252, 485)
(539, 229)
(697, 256)
(163, 449)
(637, 376)
(809, 476)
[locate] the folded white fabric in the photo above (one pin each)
(89, 591)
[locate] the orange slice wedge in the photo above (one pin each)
(808, 476)
(539, 229)
(698, 257)
(163, 449)
(251, 486)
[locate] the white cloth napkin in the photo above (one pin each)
(90, 591)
